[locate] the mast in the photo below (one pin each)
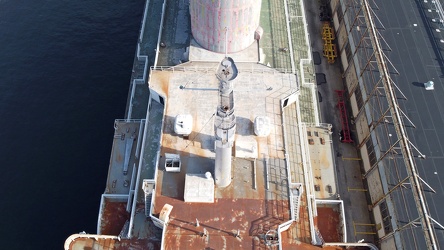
(225, 122)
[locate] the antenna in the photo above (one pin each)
(226, 41)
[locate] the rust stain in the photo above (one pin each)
(111, 244)
(324, 157)
(114, 217)
(221, 220)
(119, 158)
(163, 78)
(328, 224)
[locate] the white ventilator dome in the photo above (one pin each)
(183, 124)
(262, 126)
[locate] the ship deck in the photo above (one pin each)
(246, 204)
(258, 198)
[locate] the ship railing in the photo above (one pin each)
(99, 218)
(290, 186)
(148, 199)
(138, 81)
(123, 232)
(162, 247)
(309, 188)
(309, 60)
(290, 43)
(143, 58)
(306, 67)
(157, 222)
(144, 20)
(140, 58)
(103, 201)
(136, 191)
(305, 154)
(83, 235)
(306, 165)
(282, 228)
(213, 69)
(138, 178)
(306, 41)
(340, 204)
(294, 200)
(306, 78)
(160, 32)
(116, 121)
(319, 125)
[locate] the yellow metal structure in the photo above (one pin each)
(328, 36)
(327, 32)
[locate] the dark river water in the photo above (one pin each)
(64, 76)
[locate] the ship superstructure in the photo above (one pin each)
(231, 153)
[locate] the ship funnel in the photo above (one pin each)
(224, 26)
